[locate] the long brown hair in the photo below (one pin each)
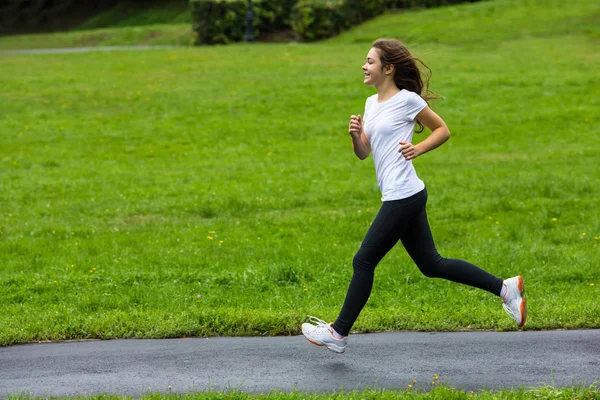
(407, 74)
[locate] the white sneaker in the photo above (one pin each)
(321, 334)
(514, 301)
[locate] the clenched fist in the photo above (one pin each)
(356, 126)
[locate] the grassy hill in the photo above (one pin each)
(136, 23)
(213, 190)
(483, 22)
(172, 12)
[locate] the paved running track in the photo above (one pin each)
(464, 360)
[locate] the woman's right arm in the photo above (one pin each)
(360, 142)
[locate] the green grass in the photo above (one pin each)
(149, 35)
(213, 191)
(439, 393)
(126, 14)
(486, 23)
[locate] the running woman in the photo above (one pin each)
(386, 130)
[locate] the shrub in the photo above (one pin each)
(224, 21)
(317, 19)
(218, 21)
(272, 14)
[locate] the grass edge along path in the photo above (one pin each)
(439, 392)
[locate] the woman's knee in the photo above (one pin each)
(432, 268)
(363, 263)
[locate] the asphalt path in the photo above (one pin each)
(464, 360)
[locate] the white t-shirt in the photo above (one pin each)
(386, 125)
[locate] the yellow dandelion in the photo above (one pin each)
(410, 386)
(435, 376)
(433, 383)
(489, 218)
(596, 237)
(169, 387)
(209, 237)
(592, 284)
(497, 222)
(220, 242)
(554, 219)
(583, 234)
(414, 381)
(213, 232)
(269, 154)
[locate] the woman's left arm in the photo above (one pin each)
(439, 135)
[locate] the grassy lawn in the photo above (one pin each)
(213, 191)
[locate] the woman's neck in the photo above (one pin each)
(387, 90)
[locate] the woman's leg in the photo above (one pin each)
(391, 222)
(418, 241)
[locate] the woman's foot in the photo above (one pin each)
(321, 333)
(514, 301)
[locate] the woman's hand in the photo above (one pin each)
(356, 126)
(360, 142)
(409, 151)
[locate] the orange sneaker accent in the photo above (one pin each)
(523, 312)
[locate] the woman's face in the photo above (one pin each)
(374, 72)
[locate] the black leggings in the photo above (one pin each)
(404, 220)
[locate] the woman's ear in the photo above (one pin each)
(389, 69)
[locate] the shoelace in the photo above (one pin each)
(318, 322)
(509, 311)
